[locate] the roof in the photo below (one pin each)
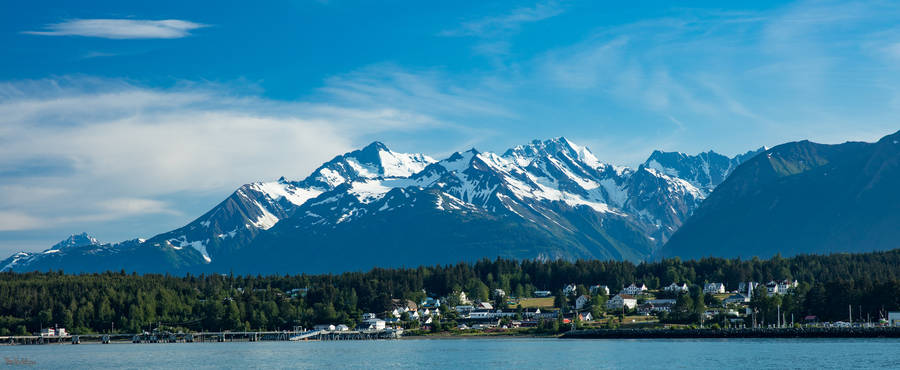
(625, 296)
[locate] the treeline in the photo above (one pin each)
(121, 302)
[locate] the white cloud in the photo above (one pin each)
(120, 28)
(77, 151)
(15, 220)
(505, 23)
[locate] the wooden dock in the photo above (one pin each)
(204, 337)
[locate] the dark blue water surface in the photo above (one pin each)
(529, 353)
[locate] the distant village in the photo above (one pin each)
(573, 306)
(594, 306)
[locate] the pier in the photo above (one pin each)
(204, 337)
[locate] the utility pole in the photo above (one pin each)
(778, 317)
(851, 313)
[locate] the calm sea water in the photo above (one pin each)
(474, 353)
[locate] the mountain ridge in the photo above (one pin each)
(800, 197)
(558, 194)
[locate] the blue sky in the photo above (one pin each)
(126, 119)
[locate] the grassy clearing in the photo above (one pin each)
(535, 303)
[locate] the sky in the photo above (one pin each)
(128, 119)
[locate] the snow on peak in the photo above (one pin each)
(523, 155)
(14, 260)
(458, 162)
(199, 245)
(371, 162)
(291, 193)
(402, 164)
(584, 154)
(75, 240)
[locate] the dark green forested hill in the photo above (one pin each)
(800, 197)
(130, 302)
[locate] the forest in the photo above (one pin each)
(129, 303)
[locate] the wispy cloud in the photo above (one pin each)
(85, 150)
(120, 28)
(506, 23)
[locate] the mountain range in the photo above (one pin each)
(374, 207)
(800, 198)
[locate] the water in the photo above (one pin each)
(474, 353)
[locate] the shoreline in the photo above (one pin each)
(788, 333)
(482, 336)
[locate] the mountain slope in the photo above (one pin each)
(374, 207)
(801, 197)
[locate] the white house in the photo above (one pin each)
(600, 289)
(376, 324)
(786, 286)
(585, 316)
(677, 288)
(714, 288)
(341, 327)
(634, 289)
(569, 290)
(463, 299)
(368, 316)
(499, 293)
(53, 332)
(621, 300)
(581, 301)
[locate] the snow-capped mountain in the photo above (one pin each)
(373, 207)
(704, 171)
